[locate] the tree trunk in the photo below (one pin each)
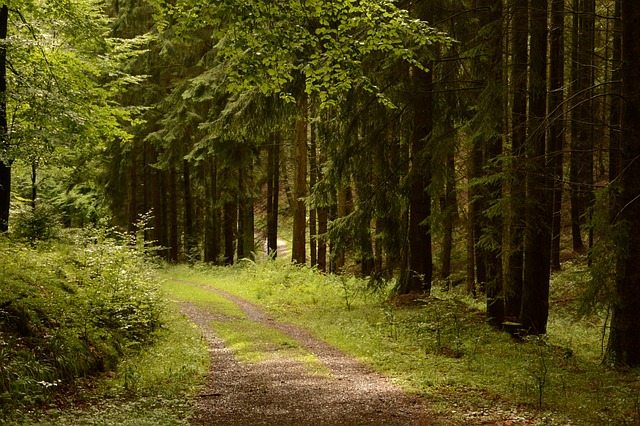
(242, 208)
(420, 265)
(323, 216)
(246, 231)
(212, 221)
(313, 212)
(190, 240)
(173, 215)
(5, 165)
(624, 346)
(230, 230)
(556, 128)
(616, 96)
(513, 283)
(299, 251)
(34, 184)
(273, 190)
(535, 289)
(582, 143)
(449, 207)
(132, 199)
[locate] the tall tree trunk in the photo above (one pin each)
(513, 283)
(34, 183)
(624, 346)
(535, 289)
(616, 96)
(212, 222)
(313, 212)
(242, 207)
(556, 128)
(246, 238)
(190, 240)
(449, 206)
(273, 187)
(132, 205)
(299, 251)
(582, 140)
(174, 249)
(230, 230)
(323, 217)
(420, 267)
(5, 164)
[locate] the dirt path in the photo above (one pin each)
(282, 391)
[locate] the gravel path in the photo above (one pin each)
(282, 391)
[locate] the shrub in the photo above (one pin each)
(32, 225)
(70, 310)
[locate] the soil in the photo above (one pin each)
(282, 391)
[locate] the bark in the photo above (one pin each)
(513, 282)
(623, 347)
(449, 206)
(5, 164)
(242, 209)
(246, 231)
(323, 216)
(34, 184)
(556, 128)
(174, 249)
(132, 205)
(420, 265)
(230, 230)
(534, 311)
(616, 104)
(313, 212)
(298, 251)
(212, 221)
(190, 240)
(273, 190)
(582, 141)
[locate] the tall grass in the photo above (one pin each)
(70, 309)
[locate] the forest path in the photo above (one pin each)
(282, 390)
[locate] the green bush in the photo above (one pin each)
(70, 310)
(32, 225)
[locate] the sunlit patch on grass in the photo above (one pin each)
(255, 342)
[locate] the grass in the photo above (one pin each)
(250, 341)
(440, 347)
(153, 387)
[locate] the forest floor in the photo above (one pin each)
(282, 389)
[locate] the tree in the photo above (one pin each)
(535, 287)
(623, 347)
(5, 162)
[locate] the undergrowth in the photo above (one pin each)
(70, 308)
(440, 346)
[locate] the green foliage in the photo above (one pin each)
(70, 310)
(33, 225)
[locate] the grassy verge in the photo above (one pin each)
(441, 348)
(87, 336)
(152, 387)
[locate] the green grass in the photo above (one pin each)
(153, 387)
(250, 341)
(203, 298)
(441, 348)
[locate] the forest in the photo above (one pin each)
(473, 146)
